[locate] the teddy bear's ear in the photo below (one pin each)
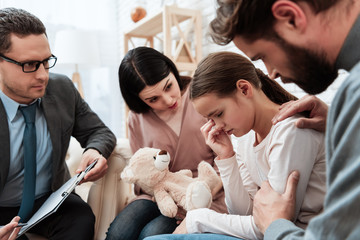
(127, 175)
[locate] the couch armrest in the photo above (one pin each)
(109, 195)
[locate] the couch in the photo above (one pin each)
(108, 195)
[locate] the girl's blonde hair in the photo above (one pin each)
(219, 72)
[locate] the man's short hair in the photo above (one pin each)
(18, 22)
(252, 19)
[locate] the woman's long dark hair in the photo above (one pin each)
(141, 67)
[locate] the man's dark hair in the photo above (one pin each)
(252, 19)
(18, 22)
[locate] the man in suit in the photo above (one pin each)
(60, 112)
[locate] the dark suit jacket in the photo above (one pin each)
(66, 115)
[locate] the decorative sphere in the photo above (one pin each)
(138, 13)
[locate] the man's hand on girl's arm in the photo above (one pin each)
(270, 205)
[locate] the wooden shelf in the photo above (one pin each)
(165, 22)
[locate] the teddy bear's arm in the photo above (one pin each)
(165, 203)
(186, 172)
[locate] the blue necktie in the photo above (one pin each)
(29, 143)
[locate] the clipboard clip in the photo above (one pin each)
(80, 177)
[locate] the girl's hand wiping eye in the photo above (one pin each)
(217, 140)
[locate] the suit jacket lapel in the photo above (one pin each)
(53, 124)
(5, 147)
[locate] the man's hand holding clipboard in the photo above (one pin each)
(79, 179)
(57, 198)
(87, 159)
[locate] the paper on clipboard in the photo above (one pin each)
(55, 200)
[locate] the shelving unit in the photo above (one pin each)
(169, 22)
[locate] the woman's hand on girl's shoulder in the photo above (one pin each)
(217, 140)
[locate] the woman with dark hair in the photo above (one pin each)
(240, 100)
(161, 116)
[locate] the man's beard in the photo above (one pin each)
(311, 71)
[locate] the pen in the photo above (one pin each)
(79, 178)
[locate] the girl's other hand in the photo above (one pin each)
(217, 140)
(181, 229)
(180, 215)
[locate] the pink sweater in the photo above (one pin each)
(186, 150)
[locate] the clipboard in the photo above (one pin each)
(54, 201)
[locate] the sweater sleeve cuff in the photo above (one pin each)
(92, 148)
(224, 163)
(193, 218)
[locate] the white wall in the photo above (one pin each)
(101, 88)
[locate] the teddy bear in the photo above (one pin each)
(148, 169)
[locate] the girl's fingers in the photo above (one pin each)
(208, 125)
(214, 131)
(206, 128)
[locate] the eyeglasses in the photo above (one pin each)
(32, 66)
